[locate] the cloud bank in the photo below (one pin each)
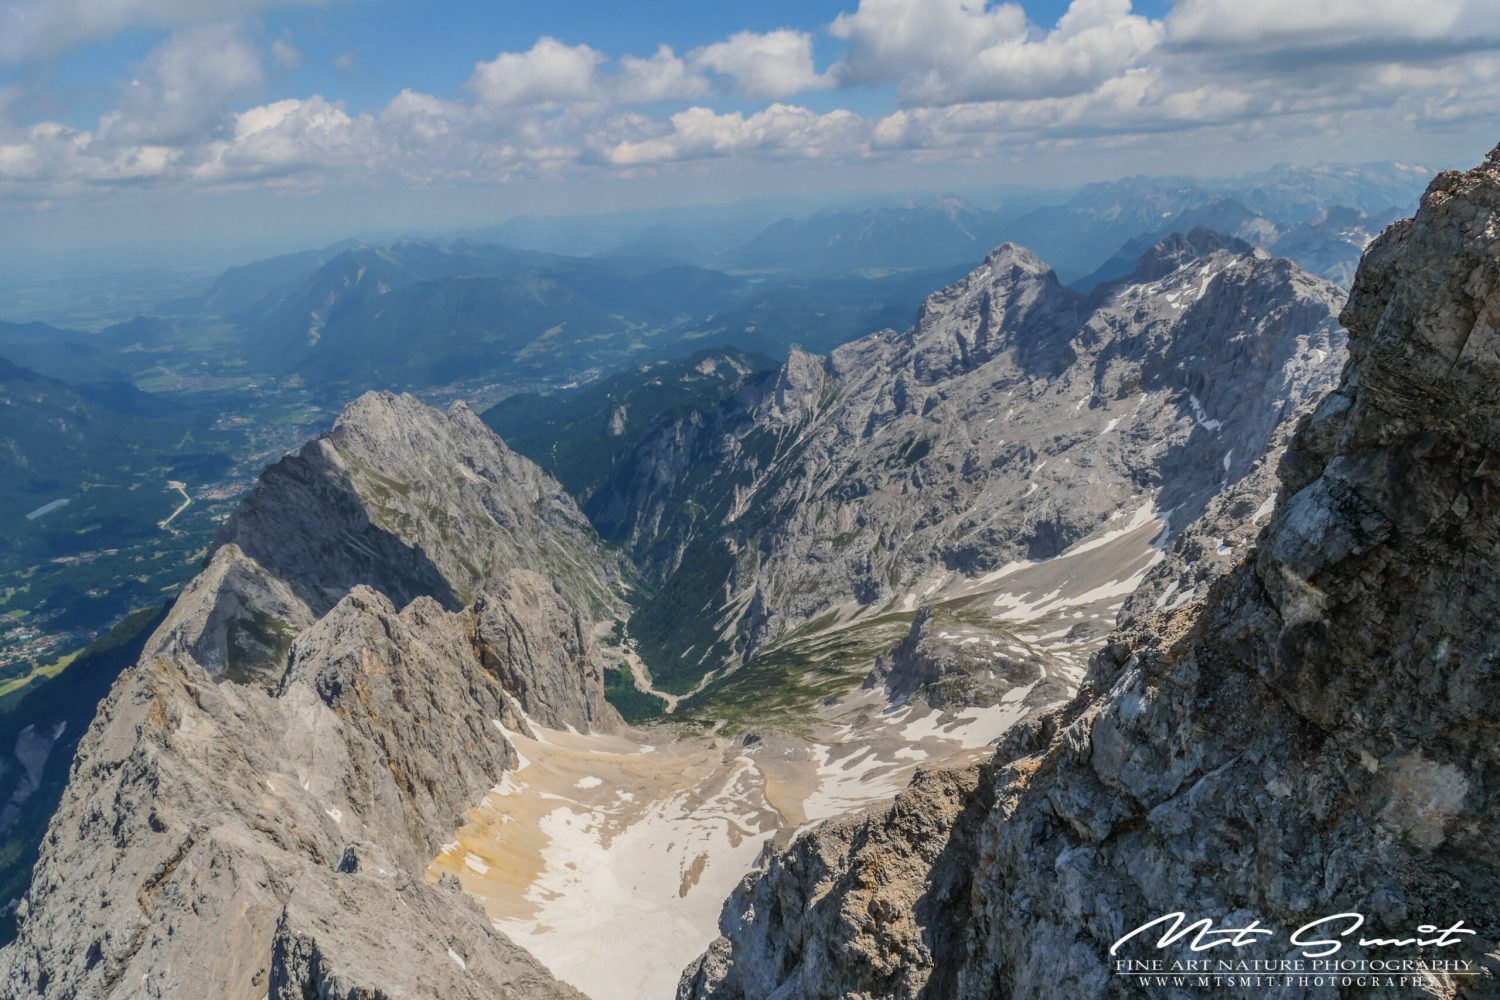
(931, 79)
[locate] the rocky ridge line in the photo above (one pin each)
(1016, 418)
(221, 838)
(1317, 737)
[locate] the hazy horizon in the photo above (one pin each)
(155, 133)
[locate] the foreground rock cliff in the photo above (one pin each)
(1318, 736)
(254, 806)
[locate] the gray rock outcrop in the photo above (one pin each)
(543, 652)
(319, 951)
(1315, 738)
(1016, 418)
(400, 497)
(243, 831)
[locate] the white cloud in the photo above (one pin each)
(661, 77)
(273, 140)
(889, 40)
(947, 51)
(423, 118)
(547, 72)
(779, 130)
(766, 66)
(1336, 26)
(37, 29)
(185, 85)
(59, 156)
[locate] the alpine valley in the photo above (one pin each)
(720, 631)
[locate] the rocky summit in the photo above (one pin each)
(399, 497)
(1016, 419)
(254, 807)
(1314, 737)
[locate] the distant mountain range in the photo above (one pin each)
(1322, 220)
(1005, 425)
(1329, 244)
(504, 304)
(1073, 231)
(57, 435)
(418, 314)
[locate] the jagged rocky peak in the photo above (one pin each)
(1013, 261)
(544, 654)
(1011, 301)
(797, 390)
(420, 589)
(1178, 249)
(1014, 273)
(1315, 738)
(1015, 419)
(400, 497)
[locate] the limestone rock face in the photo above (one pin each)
(873, 900)
(937, 668)
(543, 653)
(319, 951)
(1316, 737)
(258, 821)
(400, 497)
(1016, 418)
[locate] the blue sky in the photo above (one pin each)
(180, 125)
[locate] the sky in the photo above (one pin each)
(167, 132)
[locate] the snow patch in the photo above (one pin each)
(1201, 416)
(1264, 510)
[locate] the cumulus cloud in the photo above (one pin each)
(890, 40)
(1379, 30)
(423, 118)
(58, 155)
(185, 85)
(547, 72)
(766, 66)
(947, 51)
(779, 130)
(37, 29)
(661, 77)
(276, 139)
(974, 79)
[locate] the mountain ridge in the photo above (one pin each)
(1310, 738)
(291, 745)
(800, 519)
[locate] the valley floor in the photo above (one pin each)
(609, 856)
